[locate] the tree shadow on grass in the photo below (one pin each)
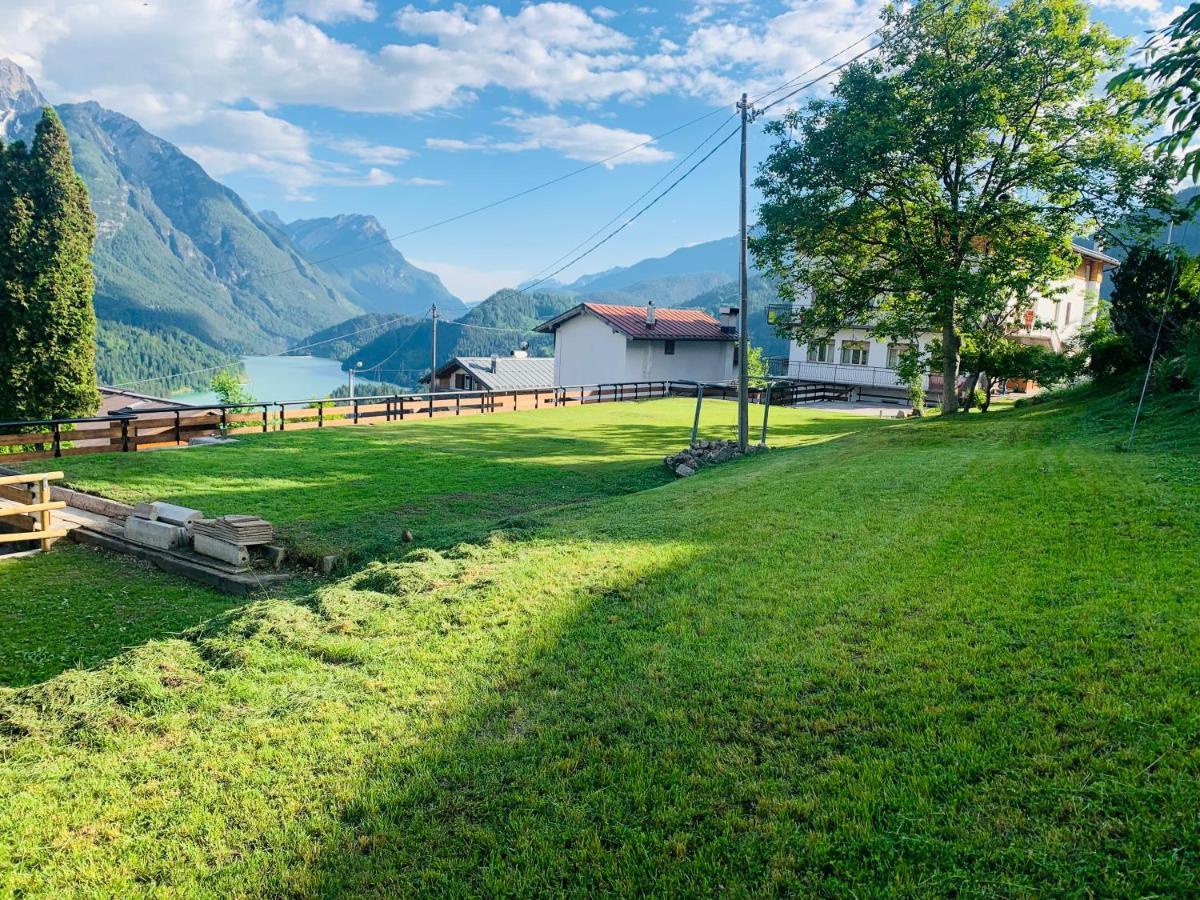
(732, 714)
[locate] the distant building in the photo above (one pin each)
(865, 365)
(520, 371)
(599, 343)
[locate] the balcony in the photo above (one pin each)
(834, 373)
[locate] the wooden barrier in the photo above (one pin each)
(171, 426)
(32, 509)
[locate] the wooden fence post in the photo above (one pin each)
(264, 418)
(696, 420)
(124, 434)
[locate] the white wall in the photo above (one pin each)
(691, 361)
(1069, 308)
(587, 350)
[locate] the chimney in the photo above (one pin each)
(522, 352)
(650, 317)
(495, 360)
(729, 319)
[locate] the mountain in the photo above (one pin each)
(761, 293)
(178, 255)
(19, 96)
(665, 290)
(355, 254)
(719, 258)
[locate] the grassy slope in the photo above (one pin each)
(947, 655)
(355, 490)
(79, 607)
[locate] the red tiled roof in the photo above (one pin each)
(670, 324)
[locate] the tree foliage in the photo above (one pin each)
(47, 322)
(1154, 285)
(943, 181)
(230, 388)
(1171, 75)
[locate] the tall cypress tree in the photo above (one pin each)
(47, 321)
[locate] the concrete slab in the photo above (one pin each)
(147, 511)
(177, 515)
(234, 554)
(160, 535)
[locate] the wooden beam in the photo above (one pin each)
(31, 508)
(29, 479)
(33, 536)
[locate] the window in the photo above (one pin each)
(820, 351)
(1067, 317)
(460, 381)
(896, 353)
(669, 348)
(736, 348)
(854, 353)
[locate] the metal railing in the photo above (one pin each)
(167, 426)
(835, 373)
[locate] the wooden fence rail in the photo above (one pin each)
(173, 426)
(30, 508)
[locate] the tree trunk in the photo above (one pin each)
(969, 391)
(949, 368)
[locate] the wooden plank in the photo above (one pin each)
(9, 492)
(35, 437)
(33, 536)
(6, 511)
(31, 478)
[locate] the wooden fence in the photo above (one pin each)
(173, 426)
(30, 512)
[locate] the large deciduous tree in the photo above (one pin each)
(47, 321)
(939, 187)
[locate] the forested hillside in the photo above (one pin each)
(127, 355)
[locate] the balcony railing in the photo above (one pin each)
(834, 373)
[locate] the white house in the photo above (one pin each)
(852, 358)
(600, 343)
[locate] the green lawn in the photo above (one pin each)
(355, 490)
(76, 607)
(943, 656)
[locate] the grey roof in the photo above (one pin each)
(512, 373)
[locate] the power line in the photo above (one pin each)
(636, 215)
(491, 205)
(536, 277)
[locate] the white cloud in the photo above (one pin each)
(604, 13)
(250, 141)
(187, 70)
(367, 152)
(418, 181)
(333, 10)
(585, 141)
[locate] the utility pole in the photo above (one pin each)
(744, 294)
(433, 355)
(353, 369)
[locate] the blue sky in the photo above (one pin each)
(413, 112)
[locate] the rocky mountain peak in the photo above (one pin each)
(18, 96)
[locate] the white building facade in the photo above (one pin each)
(853, 358)
(601, 343)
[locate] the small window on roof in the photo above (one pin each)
(669, 348)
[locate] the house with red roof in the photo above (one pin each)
(602, 343)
